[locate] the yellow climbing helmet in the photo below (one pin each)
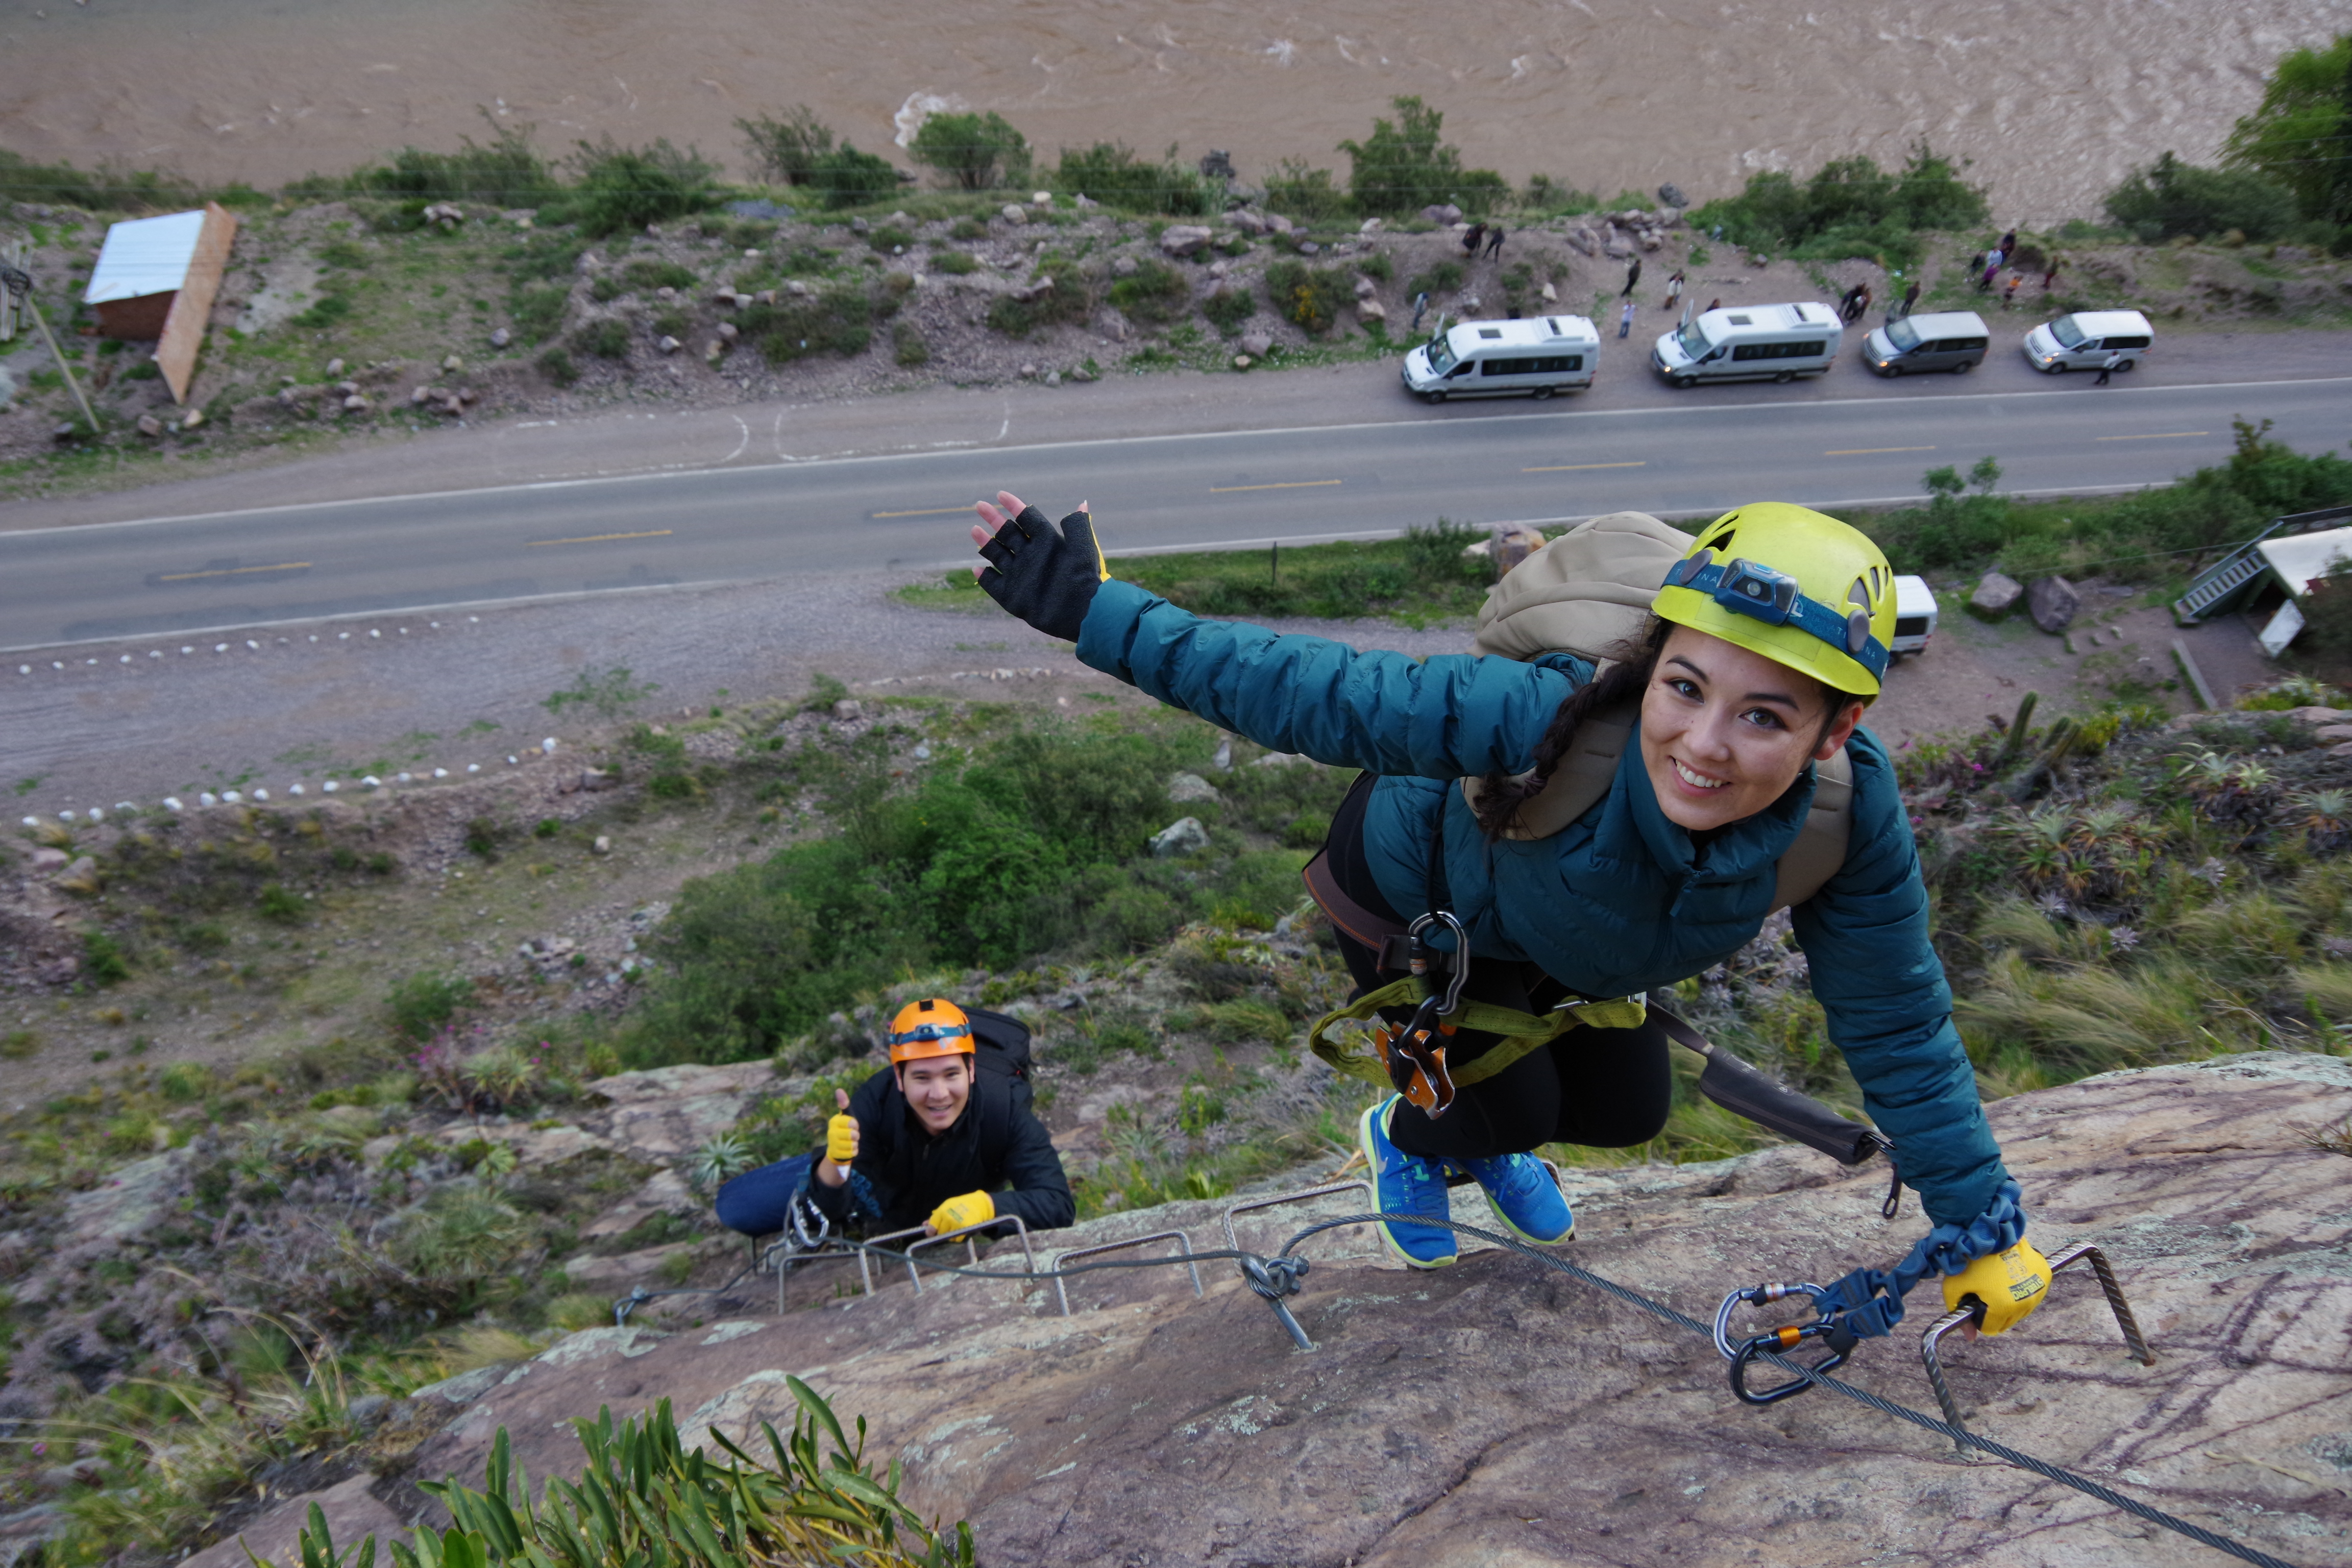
(1793, 584)
(929, 1027)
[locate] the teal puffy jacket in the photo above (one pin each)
(1617, 902)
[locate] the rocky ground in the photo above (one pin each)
(1492, 1413)
(332, 323)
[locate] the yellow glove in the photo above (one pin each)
(841, 1138)
(2009, 1284)
(957, 1212)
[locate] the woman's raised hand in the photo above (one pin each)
(1044, 574)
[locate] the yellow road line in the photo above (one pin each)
(2158, 436)
(928, 511)
(1291, 485)
(600, 538)
(233, 571)
(1869, 451)
(1572, 468)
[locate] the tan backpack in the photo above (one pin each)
(1586, 592)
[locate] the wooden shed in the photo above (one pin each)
(156, 279)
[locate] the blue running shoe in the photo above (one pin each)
(1520, 1191)
(1406, 1183)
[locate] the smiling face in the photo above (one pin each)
(1726, 731)
(938, 1088)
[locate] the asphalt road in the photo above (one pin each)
(178, 576)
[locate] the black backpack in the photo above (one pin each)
(1003, 1055)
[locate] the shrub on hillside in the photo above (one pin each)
(1154, 292)
(786, 150)
(507, 173)
(973, 151)
(837, 319)
(2171, 197)
(849, 178)
(1111, 173)
(1297, 191)
(1309, 297)
(1849, 207)
(2301, 136)
(629, 187)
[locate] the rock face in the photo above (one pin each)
(1185, 836)
(2051, 602)
(1494, 1415)
(1182, 239)
(1997, 595)
(665, 1113)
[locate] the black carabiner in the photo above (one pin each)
(1781, 1340)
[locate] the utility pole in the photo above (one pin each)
(18, 283)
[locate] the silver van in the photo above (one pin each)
(1954, 340)
(1487, 359)
(2083, 340)
(1747, 343)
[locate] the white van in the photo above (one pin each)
(1954, 340)
(1538, 356)
(1914, 615)
(1746, 341)
(2083, 340)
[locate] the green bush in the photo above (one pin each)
(1439, 277)
(649, 274)
(837, 319)
(538, 311)
(786, 151)
(459, 1238)
(327, 310)
(281, 903)
(1229, 309)
(907, 346)
(973, 151)
(16, 1044)
(183, 1083)
(1849, 207)
(557, 367)
(1309, 296)
(104, 959)
(2171, 197)
(1154, 292)
(957, 263)
(849, 178)
(1297, 191)
(1070, 300)
(422, 1003)
(629, 187)
(508, 173)
(2299, 135)
(1111, 173)
(607, 339)
(1402, 166)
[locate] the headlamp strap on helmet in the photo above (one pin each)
(1745, 588)
(931, 1032)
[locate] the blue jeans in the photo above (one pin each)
(757, 1202)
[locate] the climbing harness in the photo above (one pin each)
(1414, 1051)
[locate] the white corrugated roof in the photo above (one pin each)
(144, 255)
(2301, 557)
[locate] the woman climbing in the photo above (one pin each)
(1750, 670)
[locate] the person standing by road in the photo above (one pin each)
(2009, 290)
(1632, 276)
(1992, 260)
(1625, 321)
(2107, 367)
(1910, 297)
(2050, 271)
(1470, 238)
(1738, 689)
(1675, 290)
(1494, 233)
(1420, 308)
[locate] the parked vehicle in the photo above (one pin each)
(2083, 340)
(1914, 615)
(1538, 356)
(1954, 340)
(1746, 343)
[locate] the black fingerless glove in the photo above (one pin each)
(1046, 576)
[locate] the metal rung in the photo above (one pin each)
(1183, 1247)
(1301, 1196)
(2083, 1252)
(970, 1237)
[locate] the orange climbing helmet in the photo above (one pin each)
(929, 1027)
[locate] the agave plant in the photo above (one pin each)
(2326, 818)
(723, 1156)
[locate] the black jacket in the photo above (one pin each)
(902, 1172)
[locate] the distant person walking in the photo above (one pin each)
(1632, 276)
(1625, 322)
(2049, 271)
(1470, 238)
(2107, 367)
(1495, 242)
(2009, 290)
(1910, 297)
(1675, 290)
(2008, 245)
(1420, 308)
(1992, 260)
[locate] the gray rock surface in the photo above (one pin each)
(1492, 1413)
(1183, 239)
(1187, 787)
(1256, 344)
(662, 1114)
(2051, 602)
(1997, 595)
(132, 1202)
(353, 1511)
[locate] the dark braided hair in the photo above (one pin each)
(1500, 794)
